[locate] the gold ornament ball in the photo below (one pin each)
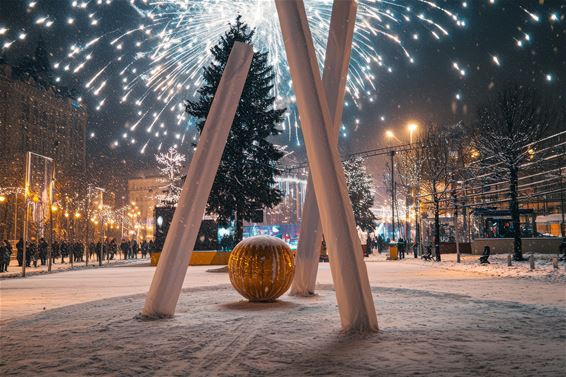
(261, 268)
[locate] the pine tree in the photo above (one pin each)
(244, 183)
(170, 165)
(359, 189)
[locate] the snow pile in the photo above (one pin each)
(544, 270)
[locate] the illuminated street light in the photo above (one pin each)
(412, 128)
(2, 198)
(390, 135)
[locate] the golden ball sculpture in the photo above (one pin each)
(261, 268)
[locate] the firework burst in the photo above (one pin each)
(159, 61)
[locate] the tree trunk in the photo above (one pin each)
(239, 235)
(436, 223)
(417, 220)
(515, 217)
(407, 220)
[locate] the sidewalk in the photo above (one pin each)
(15, 271)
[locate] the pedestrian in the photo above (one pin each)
(130, 251)
(20, 253)
(2, 251)
(135, 248)
(415, 249)
(113, 248)
(368, 250)
(401, 248)
(106, 249)
(43, 251)
(77, 252)
(91, 249)
(144, 248)
(5, 255)
(64, 251)
(152, 247)
(54, 251)
(33, 255)
(99, 250)
(380, 244)
(71, 249)
(124, 248)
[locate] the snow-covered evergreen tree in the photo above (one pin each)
(245, 181)
(360, 191)
(170, 165)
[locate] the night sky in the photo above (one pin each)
(429, 90)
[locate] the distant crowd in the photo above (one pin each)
(38, 253)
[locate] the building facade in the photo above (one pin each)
(142, 194)
(38, 116)
(37, 119)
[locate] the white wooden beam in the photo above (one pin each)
(183, 231)
(353, 294)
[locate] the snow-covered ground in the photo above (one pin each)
(544, 269)
(433, 321)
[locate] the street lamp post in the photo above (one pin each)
(87, 221)
(50, 248)
(392, 155)
(52, 208)
(3, 201)
(15, 235)
(412, 127)
(390, 135)
(26, 217)
(418, 222)
(67, 235)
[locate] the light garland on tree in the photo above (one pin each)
(170, 165)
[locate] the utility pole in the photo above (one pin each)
(562, 223)
(392, 155)
(87, 221)
(101, 207)
(418, 219)
(15, 235)
(26, 217)
(50, 249)
(456, 235)
(465, 237)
